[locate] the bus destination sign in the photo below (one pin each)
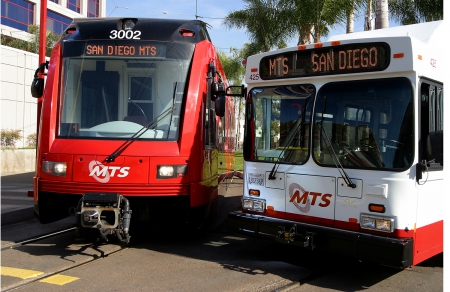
(352, 58)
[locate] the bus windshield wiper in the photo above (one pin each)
(289, 140)
(144, 129)
(334, 157)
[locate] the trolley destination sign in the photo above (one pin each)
(121, 50)
(352, 58)
(126, 48)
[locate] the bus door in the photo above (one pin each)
(430, 208)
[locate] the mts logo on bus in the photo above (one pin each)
(104, 173)
(298, 196)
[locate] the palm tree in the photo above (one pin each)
(314, 18)
(415, 11)
(368, 16)
(382, 14)
(261, 20)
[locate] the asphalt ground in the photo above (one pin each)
(15, 203)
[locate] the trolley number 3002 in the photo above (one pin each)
(125, 34)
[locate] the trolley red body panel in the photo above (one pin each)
(89, 164)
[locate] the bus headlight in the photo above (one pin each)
(255, 205)
(54, 168)
(171, 171)
(378, 223)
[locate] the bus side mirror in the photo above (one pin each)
(220, 105)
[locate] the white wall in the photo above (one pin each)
(18, 107)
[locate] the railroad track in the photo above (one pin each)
(90, 242)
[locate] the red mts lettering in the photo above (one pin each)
(300, 199)
(325, 200)
(315, 195)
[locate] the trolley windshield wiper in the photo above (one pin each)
(144, 129)
(334, 157)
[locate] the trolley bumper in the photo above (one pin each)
(392, 252)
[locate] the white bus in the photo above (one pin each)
(343, 146)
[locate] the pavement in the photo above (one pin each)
(15, 203)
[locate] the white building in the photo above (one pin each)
(18, 107)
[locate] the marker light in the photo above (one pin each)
(377, 223)
(171, 171)
(253, 193)
(255, 205)
(318, 45)
(398, 55)
(377, 208)
(54, 168)
(335, 43)
(186, 32)
(301, 47)
(71, 30)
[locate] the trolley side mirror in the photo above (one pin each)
(37, 86)
(219, 105)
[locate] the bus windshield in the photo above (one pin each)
(369, 124)
(112, 89)
(282, 121)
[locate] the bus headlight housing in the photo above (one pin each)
(255, 205)
(54, 168)
(377, 223)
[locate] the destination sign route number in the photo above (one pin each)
(125, 34)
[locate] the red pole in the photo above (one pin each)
(42, 49)
(42, 31)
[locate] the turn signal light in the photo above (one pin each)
(253, 193)
(377, 208)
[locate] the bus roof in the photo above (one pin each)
(426, 32)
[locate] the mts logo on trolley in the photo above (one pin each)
(303, 199)
(104, 173)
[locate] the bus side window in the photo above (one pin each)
(431, 125)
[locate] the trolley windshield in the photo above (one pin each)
(112, 89)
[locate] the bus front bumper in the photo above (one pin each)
(388, 251)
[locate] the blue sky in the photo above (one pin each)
(209, 11)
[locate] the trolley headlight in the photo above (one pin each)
(55, 168)
(171, 171)
(378, 223)
(255, 205)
